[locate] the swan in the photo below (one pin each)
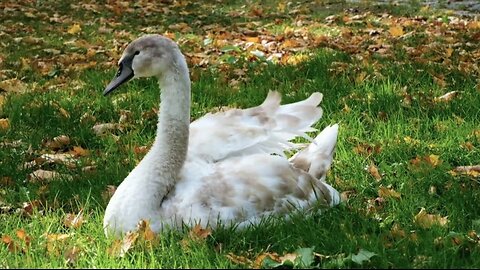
(223, 168)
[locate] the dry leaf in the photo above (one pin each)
(58, 142)
(73, 221)
(396, 31)
(108, 192)
(44, 175)
(257, 264)
(22, 235)
(446, 97)
(64, 112)
(397, 232)
(29, 207)
(467, 170)
(11, 245)
(4, 124)
(236, 259)
(141, 150)
(71, 255)
(101, 129)
(388, 193)
(448, 52)
(78, 151)
(433, 160)
(198, 233)
(74, 29)
(55, 242)
(13, 85)
(426, 221)
(373, 170)
(144, 230)
(121, 247)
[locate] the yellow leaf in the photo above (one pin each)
(13, 85)
(433, 160)
(426, 221)
(73, 221)
(71, 255)
(388, 193)
(473, 171)
(198, 232)
(373, 170)
(397, 232)
(252, 39)
(74, 29)
(64, 113)
(237, 259)
(145, 231)
(78, 151)
(121, 247)
(11, 245)
(2, 101)
(446, 97)
(449, 52)
(22, 235)
(396, 31)
(4, 124)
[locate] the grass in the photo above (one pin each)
(389, 119)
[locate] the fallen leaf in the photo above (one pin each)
(71, 255)
(473, 170)
(55, 242)
(64, 112)
(101, 129)
(433, 160)
(108, 192)
(13, 85)
(396, 31)
(74, 29)
(144, 230)
(22, 235)
(373, 170)
(11, 245)
(199, 233)
(121, 247)
(58, 142)
(236, 259)
(426, 221)
(73, 221)
(385, 192)
(4, 123)
(44, 175)
(29, 207)
(446, 97)
(78, 151)
(397, 232)
(258, 263)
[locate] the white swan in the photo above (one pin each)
(229, 173)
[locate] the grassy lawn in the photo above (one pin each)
(384, 71)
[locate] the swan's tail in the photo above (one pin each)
(317, 157)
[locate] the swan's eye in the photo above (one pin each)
(136, 53)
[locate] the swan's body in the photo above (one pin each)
(219, 168)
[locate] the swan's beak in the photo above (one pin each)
(124, 74)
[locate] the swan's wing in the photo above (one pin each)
(244, 189)
(267, 128)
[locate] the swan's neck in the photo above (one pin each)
(169, 150)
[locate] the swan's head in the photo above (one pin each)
(147, 56)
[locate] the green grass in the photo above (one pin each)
(376, 116)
